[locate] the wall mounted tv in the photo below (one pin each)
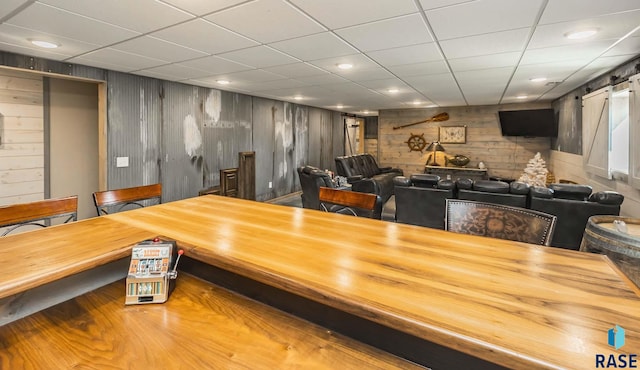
(532, 122)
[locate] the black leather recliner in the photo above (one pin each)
(514, 194)
(421, 200)
(311, 179)
(364, 175)
(573, 205)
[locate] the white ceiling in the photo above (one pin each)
(434, 52)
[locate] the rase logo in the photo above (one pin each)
(615, 338)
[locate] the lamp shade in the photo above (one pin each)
(435, 147)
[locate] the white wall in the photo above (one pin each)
(569, 167)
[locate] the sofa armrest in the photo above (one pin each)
(353, 179)
(366, 185)
(391, 169)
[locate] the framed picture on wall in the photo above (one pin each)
(452, 134)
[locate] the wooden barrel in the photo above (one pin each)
(623, 249)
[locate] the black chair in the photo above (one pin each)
(499, 221)
(122, 199)
(39, 213)
(422, 202)
(350, 202)
(311, 179)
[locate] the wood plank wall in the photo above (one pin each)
(22, 149)
(505, 157)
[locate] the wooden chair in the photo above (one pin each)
(499, 221)
(39, 213)
(350, 202)
(110, 200)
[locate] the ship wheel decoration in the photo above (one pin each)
(416, 143)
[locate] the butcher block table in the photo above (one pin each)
(485, 302)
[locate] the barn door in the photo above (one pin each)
(595, 132)
(634, 131)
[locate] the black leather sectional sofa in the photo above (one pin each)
(421, 200)
(364, 175)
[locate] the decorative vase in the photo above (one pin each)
(459, 160)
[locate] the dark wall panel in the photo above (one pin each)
(315, 137)
(266, 113)
(301, 139)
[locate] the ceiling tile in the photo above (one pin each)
(365, 74)
(159, 49)
(359, 61)
(553, 72)
(8, 6)
(417, 69)
(218, 39)
(129, 62)
(261, 20)
(339, 13)
(584, 50)
(132, 15)
(254, 75)
(481, 17)
(440, 89)
(20, 37)
(174, 72)
(215, 65)
(320, 45)
(569, 10)
(629, 47)
(55, 21)
(35, 52)
(325, 79)
(435, 4)
(407, 55)
(296, 70)
(484, 61)
(492, 43)
(199, 7)
(277, 84)
(258, 57)
(610, 27)
(385, 84)
(389, 33)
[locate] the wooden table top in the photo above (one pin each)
(97, 331)
(517, 305)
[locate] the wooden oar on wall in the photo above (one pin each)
(437, 118)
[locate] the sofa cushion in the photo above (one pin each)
(424, 180)
(571, 191)
(463, 183)
(491, 186)
(541, 192)
(401, 181)
(607, 197)
(446, 184)
(517, 187)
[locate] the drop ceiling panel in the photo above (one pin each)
(553, 72)
(492, 43)
(217, 40)
(317, 46)
(569, 10)
(296, 70)
(129, 62)
(440, 89)
(174, 72)
(339, 13)
(407, 55)
(40, 53)
(132, 15)
(199, 7)
(215, 65)
(259, 57)
(481, 17)
(359, 61)
(262, 20)
(628, 47)
(277, 84)
(8, 6)
(156, 48)
(386, 84)
(253, 76)
(307, 92)
(389, 33)
(55, 21)
(484, 62)
(365, 74)
(325, 79)
(417, 69)
(585, 50)
(618, 25)
(20, 37)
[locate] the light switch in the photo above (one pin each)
(122, 161)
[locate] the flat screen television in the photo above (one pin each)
(531, 122)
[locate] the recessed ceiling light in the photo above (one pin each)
(416, 102)
(538, 79)
(345, 66)
(339, 106)
(44, 44)
(297, 97)
(582, 34)
(521, 97)
(365, 112)
(223, 82)
(393, 91)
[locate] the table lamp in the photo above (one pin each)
(433, 148)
